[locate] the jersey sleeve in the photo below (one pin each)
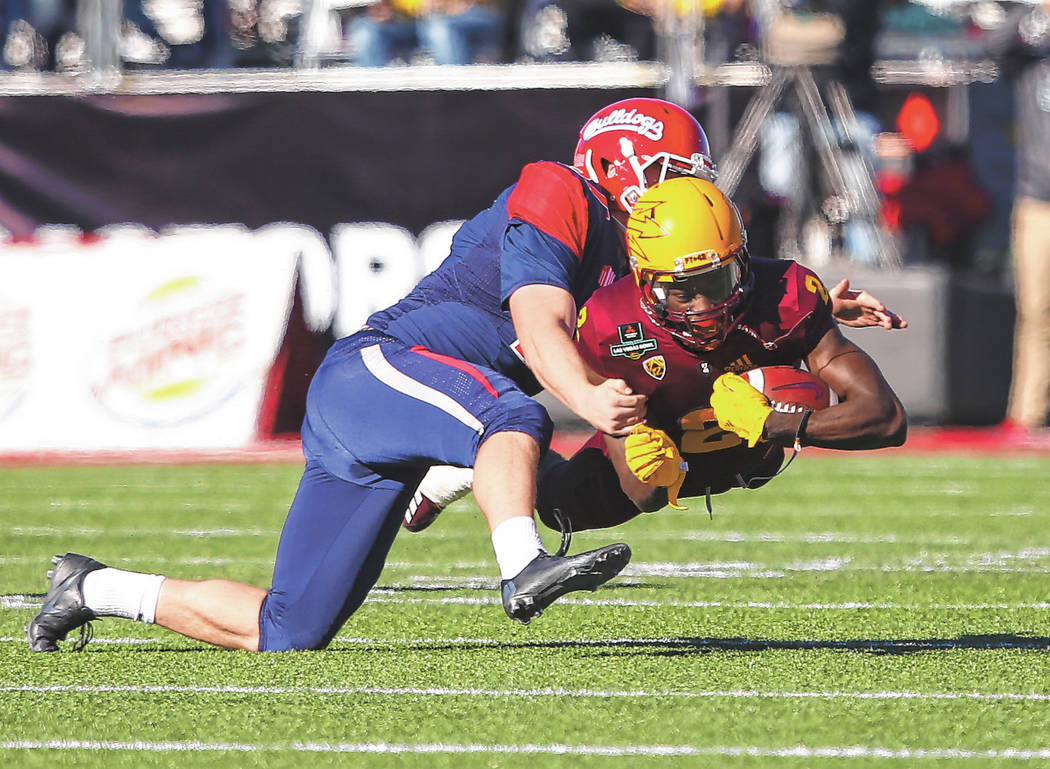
(529, 256)
(814, 305)
(550, 197)
(547, 229)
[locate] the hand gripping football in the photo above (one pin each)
(790, 389)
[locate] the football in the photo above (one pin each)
(790, 389)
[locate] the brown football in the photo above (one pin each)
(790, 389)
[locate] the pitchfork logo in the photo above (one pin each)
(655, 367)
(626, 120)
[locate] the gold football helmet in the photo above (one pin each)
(688, 253)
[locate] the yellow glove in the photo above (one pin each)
(740, 408)
(655, 461)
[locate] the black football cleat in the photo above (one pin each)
(548, 577)
(63, 608)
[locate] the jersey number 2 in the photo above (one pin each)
(701, 433)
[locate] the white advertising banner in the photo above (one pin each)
(137, 340)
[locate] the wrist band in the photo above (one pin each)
(801, 431)
(797, 449)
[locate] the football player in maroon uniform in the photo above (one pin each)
(696, 311)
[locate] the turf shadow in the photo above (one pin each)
(489, 587)
(682, 646)
(685, 646)
(665, 647)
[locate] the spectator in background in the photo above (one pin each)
(587, 30)
(618, 30)
(1022, 43)
(384, 31)
(213, 50)
(941, 207)
(195, 40)
(448, 31)
(33, 31)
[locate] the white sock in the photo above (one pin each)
(517, 543)
(118, 593)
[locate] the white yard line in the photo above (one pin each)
(546, 692)
(793, 751)
(818, 537)
(82, 531)
(388, 595)
(697, 643)
(1027, 561)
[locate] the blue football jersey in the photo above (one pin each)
(552, 227)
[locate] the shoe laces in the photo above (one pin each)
(87, 632)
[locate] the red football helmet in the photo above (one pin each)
(628, 145)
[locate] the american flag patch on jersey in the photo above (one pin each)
(607, 276)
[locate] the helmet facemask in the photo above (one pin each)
(725, 284)
(641, 173)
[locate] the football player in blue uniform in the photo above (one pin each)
(442, 377)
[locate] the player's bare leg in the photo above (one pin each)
(217, 611)
(444, 484)
(81, 589)
(505, 489)
(505, 477)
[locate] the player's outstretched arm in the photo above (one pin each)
(860, 309)
(868, 416)
(544, 319)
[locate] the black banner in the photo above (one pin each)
(408, 158)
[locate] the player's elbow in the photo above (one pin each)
(651, 502)
(900, 430)
(893, 424)
(648, 499)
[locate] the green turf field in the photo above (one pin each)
(858, 611)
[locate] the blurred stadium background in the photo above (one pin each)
(198, 196)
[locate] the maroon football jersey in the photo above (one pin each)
(787, 315)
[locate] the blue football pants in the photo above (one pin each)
(378, 414)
